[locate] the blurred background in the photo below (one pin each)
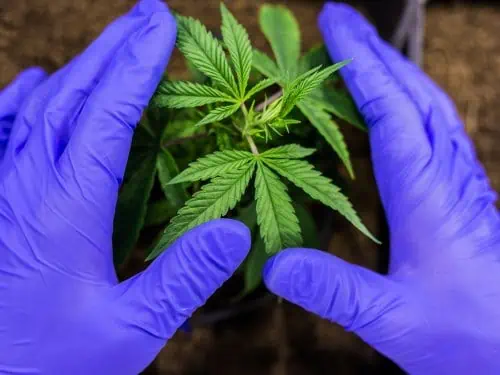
(458, 44)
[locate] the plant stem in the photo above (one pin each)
(253, 147)
(269, 101)
(178, 141)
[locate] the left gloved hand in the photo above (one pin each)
(62, 310)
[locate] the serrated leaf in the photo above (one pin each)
(279, 226)
(182, 94)
(264, 84)
(248, 216)
(204, 51)
(240, 50)
(254, 266)
(303, 175)
(282, 31)
(213, 165)
(218, 114)
(305, 84)
(213, 201)
(131, 210)
(265, 65)
(167, 171)
(329, 129)
(291, 151)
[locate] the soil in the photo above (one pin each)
(462, 51)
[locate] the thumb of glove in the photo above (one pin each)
(354, 297)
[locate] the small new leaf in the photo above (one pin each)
(264, 84)
(292, 151)
(218, 114)
(305, 84)
(213, 165)
(181, 94)
(329, 129)
(303, 175)
(213, 201)
(204, 51)
(279, 226)
(240, 50)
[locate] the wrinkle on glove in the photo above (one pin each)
(62, 310)
(438, 309)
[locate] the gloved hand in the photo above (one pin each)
(11, 99)
(62, 310)
(438, 309)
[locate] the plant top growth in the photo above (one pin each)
(230, 141)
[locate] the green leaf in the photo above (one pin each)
(213, 201)
(204, 51)
(340, 104)
(181, 94)
(291, 151)
(329, 129)
(264, 84)
(159, 213)
(303, 175)
(131, 210)
(265, 65)
(316, 56)
(307, 227)
(282, 31)
(213, 165)
(218, 114)
(279, 226)
(305, 84)
(167, 171)
(254, 265)
(240, 50)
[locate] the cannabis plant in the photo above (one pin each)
(230, 142)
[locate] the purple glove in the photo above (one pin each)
(11, 99)
(438, 310)
(62, 310)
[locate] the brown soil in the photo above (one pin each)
(462, 54)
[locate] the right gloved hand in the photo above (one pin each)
(438, 310)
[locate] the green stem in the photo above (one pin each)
(252, 144)
(249, 139)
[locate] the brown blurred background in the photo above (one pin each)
(461, 52)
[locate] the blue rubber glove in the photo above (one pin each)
(62, 310)
(11, 99)
(438, 309)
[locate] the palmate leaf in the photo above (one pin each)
(181, 94)
(240, 50)
(279, 226)
(303, 175)
(254, 265)
(282, 31)
(213, 201)
(316, 56)
(218, 114)
(131, 209)
(329, 129)
(291, 151)
(214, 165)
(204, 51)
(305, 84)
